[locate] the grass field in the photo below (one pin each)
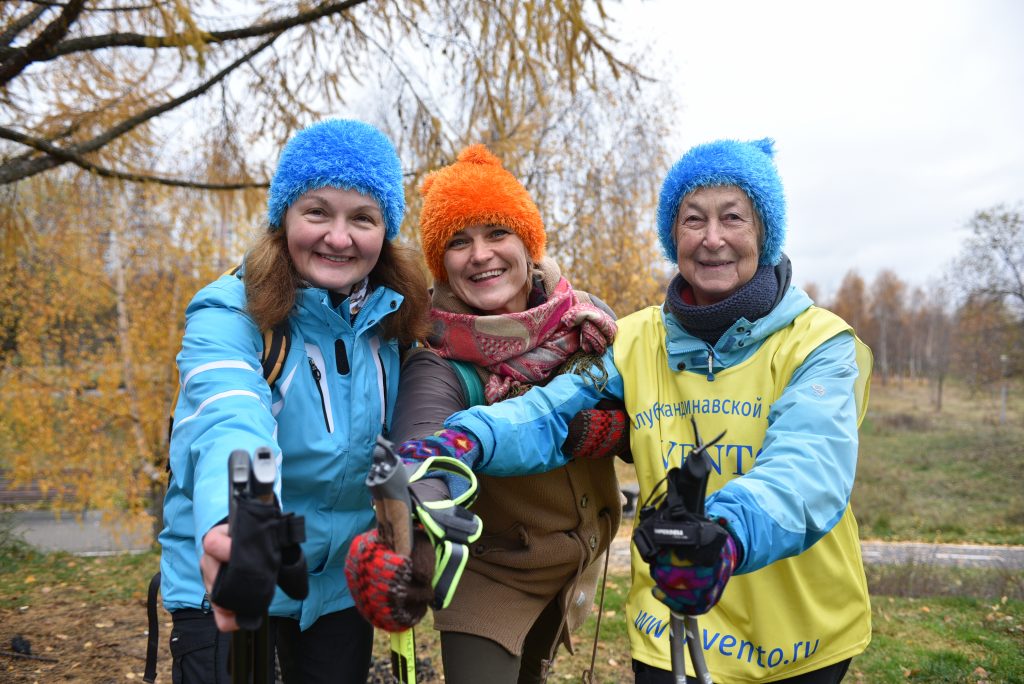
(923, 475)
(926, 475)
(951, 476)
(935, 640)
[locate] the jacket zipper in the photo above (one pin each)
(383, 388)
(319, 388)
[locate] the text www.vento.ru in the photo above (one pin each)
(729, 646)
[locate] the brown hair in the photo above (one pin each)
(271, 282)
(401, 269)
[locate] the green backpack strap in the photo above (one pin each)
(472, 386)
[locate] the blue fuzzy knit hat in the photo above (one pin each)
(340, 153)
(747, 165)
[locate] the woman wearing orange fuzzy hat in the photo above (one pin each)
(502, 310)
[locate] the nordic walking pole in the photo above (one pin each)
(239, 471)
(389, 485)
(262, 483)
(676, 522)
(700, 667)
(693, 485)
(250, 649)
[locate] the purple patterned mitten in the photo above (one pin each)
(692, 589)
(452, 443)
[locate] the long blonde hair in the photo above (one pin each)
(271, 284)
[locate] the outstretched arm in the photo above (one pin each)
(524, 435)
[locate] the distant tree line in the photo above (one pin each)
(968, 324)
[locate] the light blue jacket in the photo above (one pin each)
(322, 433)
(779, 508)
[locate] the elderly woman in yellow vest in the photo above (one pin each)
(738, 347)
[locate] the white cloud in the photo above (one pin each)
(894, 121)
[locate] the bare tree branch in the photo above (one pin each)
(61, 156)
(56, 156)
(16, 61)
(115, 40)
(19, 25)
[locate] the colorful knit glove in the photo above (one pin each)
(448, 442)
(692, 589)
(600, 432)
(451, 443)
(390, 590)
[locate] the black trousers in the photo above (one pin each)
(336, 649)
(199, 651)
(833, 674)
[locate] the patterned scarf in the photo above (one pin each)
(518, 350)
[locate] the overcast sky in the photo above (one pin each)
(894, 121)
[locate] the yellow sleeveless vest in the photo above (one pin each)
(795, 615)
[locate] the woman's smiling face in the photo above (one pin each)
(334, 237)
(487, 268)
(717, 239)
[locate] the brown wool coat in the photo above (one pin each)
(545, 536)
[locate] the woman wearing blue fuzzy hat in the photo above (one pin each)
(326, 270)
(736, 347)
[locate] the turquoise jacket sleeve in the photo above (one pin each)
(224, 403)
(801, 484)
(524, 435)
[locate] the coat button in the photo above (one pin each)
(393, 304)
(680, 366)
(584, 501)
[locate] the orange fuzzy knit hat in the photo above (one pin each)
(475, 189)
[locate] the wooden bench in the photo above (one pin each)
(25, 495)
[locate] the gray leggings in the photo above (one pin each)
(470, 659)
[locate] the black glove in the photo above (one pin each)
(264, 551)
(293, 578)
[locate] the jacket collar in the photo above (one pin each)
(686, 352)
(381, 302)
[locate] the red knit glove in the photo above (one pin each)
(600, 432)
(390, 590)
